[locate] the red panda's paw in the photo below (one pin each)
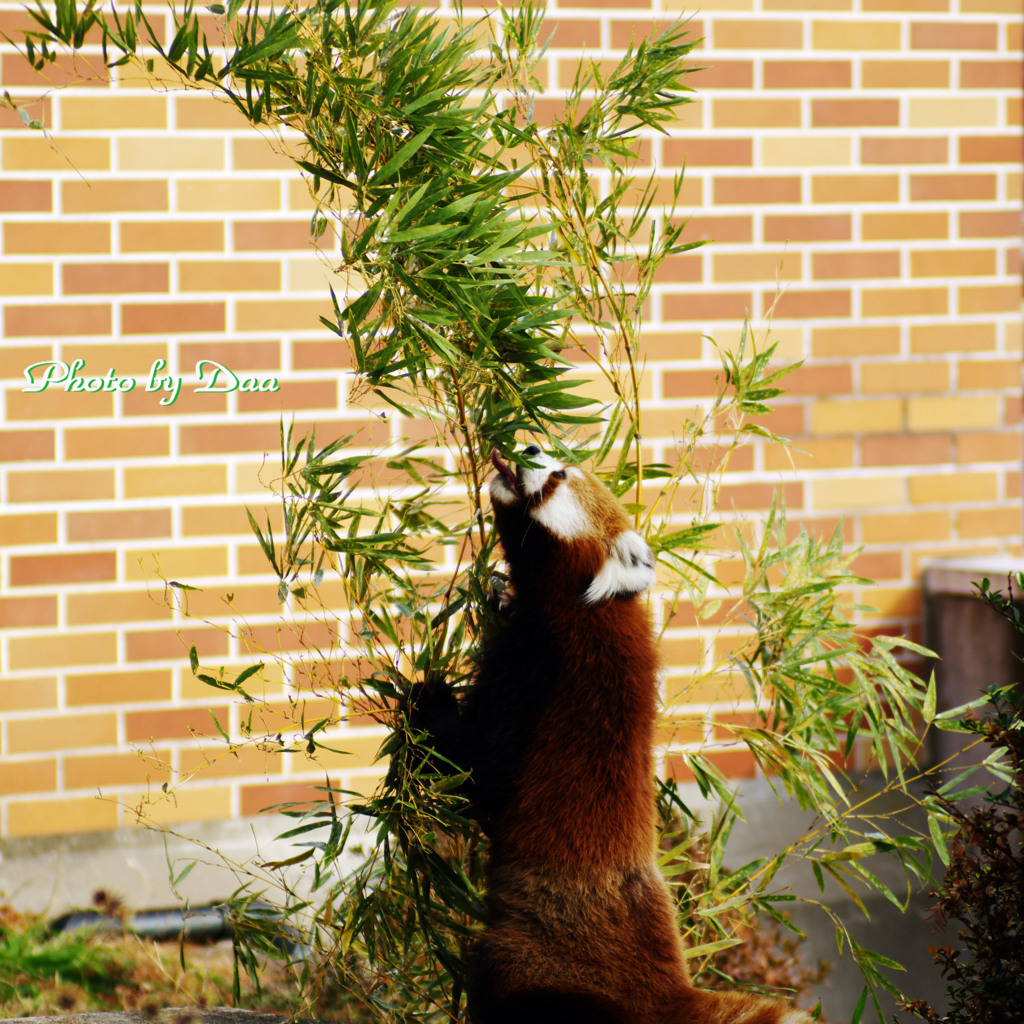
(737, 1008)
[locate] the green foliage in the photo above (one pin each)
(983, 886)
(488, 251)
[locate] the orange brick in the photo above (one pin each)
(899, 226)
(991, 74)
(949, 263)
(313, 394)
(18, 612)
(110, 770)
(187, 317)
(79, 567)
(977, 523)
(29, 528)
(116, 688)
(755, 266)
(32, 153)
(905, 527)
(27, 445)
(56, 320)
(61, 485)
(990, 149)
(189, 402)
(757, 34)
(757, 191)
(173, 724)
(1003, 446)
(116, 196)
(35, 776)
(988, 299)
(61, 732)
(807, 74)
(27, 196)
(900, 151)
(856, 265)
(866, 340)
(906, 449)
(708, 152)
(855, 113)
(166, 481)
(172, 236)
(734, 763)
(950, 34)
(952, 187)
(206, 111)
(822, 227)
(91, 609)
(115, 278)
(855, 188)
(116, 442)
(937, 338)
(755, 112)
(272, 235)
(988, 223)
(905, 74)
(67, 69)
(811, 303)
(35, 693)
(988, 374)
(37, 817)
(249, 154)
(118, 525)
(893, 302)
(707, 306)
(720, 229)
(39, 237)
(235, 437)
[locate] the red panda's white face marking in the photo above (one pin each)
(574, 506)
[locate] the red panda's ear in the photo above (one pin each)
(628, 570)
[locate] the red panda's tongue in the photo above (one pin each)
(505, 470)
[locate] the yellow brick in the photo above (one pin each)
(976, 523)
(138, 606)
(953, 488)
(810, 454)
(106, 112)
(32, 153)
(905, 527)
(952, 412)
(170, 153)
(858, 492)
(904, 378)
(756, 266)
(891, 302)
(187, 802)
(63, 649)
(232, 194)
(37, 817)
(287, 315)
(892, 602)
(349, 753)
(851, 36)
(807, 151)
(314, 275)
(175, 563)
(954, 112)
(166, 481)
(26, 279)
(61, 732)
(872, 416)
(127, 769)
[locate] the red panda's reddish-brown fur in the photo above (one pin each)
(558, 731)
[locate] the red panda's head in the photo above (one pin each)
(557, 520)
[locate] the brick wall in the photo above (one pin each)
(865, 152)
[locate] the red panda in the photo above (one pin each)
(557, 732)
